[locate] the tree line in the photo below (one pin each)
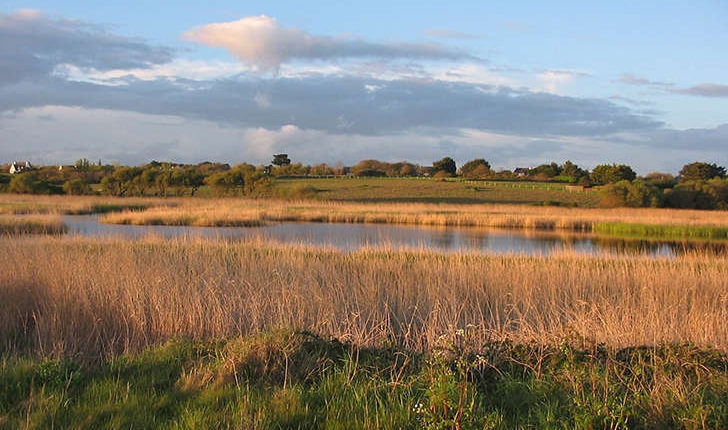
(699, 185)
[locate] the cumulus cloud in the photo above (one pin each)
(262, 42)
(33, 45)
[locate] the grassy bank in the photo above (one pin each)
(75, 205)
(297, 380)
(39, 224)
(694, 232)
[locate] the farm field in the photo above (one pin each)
(424, 190)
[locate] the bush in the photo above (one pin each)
(636, 194)
(76, 187)
(712, 194)
(30, 183)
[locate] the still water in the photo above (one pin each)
(354, 236)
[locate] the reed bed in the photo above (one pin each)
(37, 224)
(96, 298)
(75, 205)
(235, 212)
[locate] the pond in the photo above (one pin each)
(355, 236)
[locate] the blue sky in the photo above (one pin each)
(517, 83)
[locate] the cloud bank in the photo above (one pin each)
(33, 45)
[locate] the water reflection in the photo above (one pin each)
(355, 236)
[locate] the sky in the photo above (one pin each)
(518, 83)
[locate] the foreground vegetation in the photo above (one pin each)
(298, 380)
(210, 334)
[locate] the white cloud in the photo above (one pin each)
(176, 69)
(551, 81)
(261, 42)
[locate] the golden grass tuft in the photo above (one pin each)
(36, 224)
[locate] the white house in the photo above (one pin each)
(19, 166)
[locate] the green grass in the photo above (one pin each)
(428, 190)
(651, 231)
(299, 380)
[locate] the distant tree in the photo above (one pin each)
(701, 171)
(76, 187)
(30, 183)
(4, 181)
(478, 168)
(322, 169)
(660, 180)
(193, 179)
(545, 171)
(712, 194)
(634, 194)
(227, 183)
(82, 164)
(444, 166)
(370, 168)
(570, 172)
(408, 169)
(611, 173)
(281, 160)
(241, 180)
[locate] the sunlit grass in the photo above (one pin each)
(232, 212)
(74, 205)
(195, 333)
(37, 224)
(101, 297)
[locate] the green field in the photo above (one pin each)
(433, 191)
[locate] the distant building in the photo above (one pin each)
(19, 166)
(521, 171)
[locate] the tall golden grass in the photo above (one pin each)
(253, 212)
(32, 224)
(57, 204)
(95, 298)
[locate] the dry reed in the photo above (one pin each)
(255, 212)
(35, 224)
(95, 298)
(61, 204)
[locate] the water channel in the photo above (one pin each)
(355, 236)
